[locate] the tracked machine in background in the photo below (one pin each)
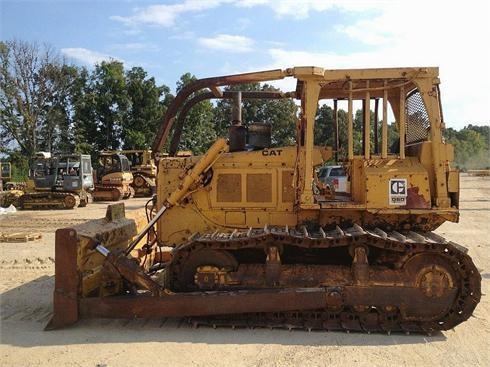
(143, 169)
(241, 236)
(144, 172)
(61, 181)
(5, 175)
(113, 177)
(9, 191)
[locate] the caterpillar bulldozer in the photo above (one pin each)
(244, 236)
(60, 181)
(144, 171)
(113, 177)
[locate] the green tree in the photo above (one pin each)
(198, 133)
(83, 114)
(471, 145)
(34, 90)
(279, 113)
(57, 126)
(101, 107)
(324, 129)
(324, 126)
(484, 131)
(145, 111)
(19, 164)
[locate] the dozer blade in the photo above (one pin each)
(81, 287)
(78, 266)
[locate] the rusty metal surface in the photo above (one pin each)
(433, 285)
(180, 118)
(78, 268)
(219, 303)
(237, 135)
(130, 270)
(189, 304)
(372, 299)
(67, 279)
(212, 83)
(260, 135)
(415, 200)
(364, 263)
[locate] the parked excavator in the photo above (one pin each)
(60, 181)
(143, 169)
(240, 236)
(113, 177)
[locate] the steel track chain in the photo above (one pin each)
(53, 195)
(348, 319)
(107, 188)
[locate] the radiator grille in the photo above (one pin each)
(418, 123)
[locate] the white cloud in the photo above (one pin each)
(454, 40)
(298, 9)
(165, 15)
(252, 3)
(374, 36)
(395, 33)
(419, 35)
(227, 42)
(465, 94)
(87, 56)
(301, 9)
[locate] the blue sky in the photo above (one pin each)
(217, 37)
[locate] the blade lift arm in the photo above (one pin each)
(128, 268)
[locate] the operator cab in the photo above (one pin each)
(110, 163)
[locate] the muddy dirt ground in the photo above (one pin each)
(27, 281)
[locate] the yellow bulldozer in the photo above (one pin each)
(8, 196)
(5, 174)
(143, 169)
(243, 236)
(113, 177)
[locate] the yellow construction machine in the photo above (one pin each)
(5, 174)
(113, 177)
(9, 195)
(242, 236)
(143, 169)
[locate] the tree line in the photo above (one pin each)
(50, 105)
(471, 146)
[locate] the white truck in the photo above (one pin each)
(334, 177)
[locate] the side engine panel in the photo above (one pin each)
(244, 189)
